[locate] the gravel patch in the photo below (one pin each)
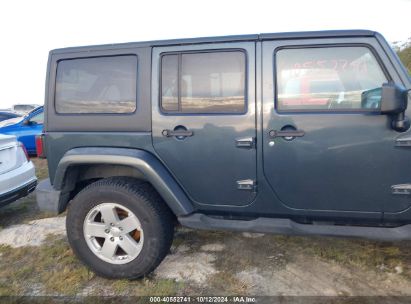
(32, 233)
(181, 266)
(307, 276)
(213, 247)
(252, 235)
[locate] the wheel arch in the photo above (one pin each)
(89, 163)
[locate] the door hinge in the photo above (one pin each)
(247, 184)
(245, 142)
(404, 189)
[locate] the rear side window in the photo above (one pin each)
(328, 78)
(97, 85)
(212, 82)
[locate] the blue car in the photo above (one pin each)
(25, 128)
(8, 115)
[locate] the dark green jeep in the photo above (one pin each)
(290, 133)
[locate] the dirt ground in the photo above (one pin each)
(201, 262)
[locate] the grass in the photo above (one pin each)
(54, 270)
(42, 170)
(380, 256)
(25, 209)
(232, 285)
(146, 287)
(54, 267)
(22, 211)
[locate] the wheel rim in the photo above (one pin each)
(113, 233)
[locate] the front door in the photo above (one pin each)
(29, 128)
(325, 147)
(203, 99)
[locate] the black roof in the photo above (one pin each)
(236, 38)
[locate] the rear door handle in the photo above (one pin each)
(177, 133)
(286, 133)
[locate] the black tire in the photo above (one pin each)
(154, 215)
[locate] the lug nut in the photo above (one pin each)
(121, 238)
(112, 239)
(107, 231)
(120, 228)
(111, 224)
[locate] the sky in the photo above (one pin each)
(29, 29)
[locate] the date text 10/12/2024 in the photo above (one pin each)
(203, 299)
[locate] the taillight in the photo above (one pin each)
(40, 146)
(24, 150)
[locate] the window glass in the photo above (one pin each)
(39, 118)
(97, 85)
(328, 78)
(204, 82)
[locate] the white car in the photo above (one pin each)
(17, 174)
(24, 108)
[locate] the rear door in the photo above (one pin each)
(204, 119)
(326, 149)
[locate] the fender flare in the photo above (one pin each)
(154, 171)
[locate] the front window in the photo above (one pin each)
(327, 78)
(38, 119)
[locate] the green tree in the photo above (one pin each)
(405, 55)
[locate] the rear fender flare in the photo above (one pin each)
(152, 169)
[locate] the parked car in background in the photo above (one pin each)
(24, 108)
(25, 128)
(8, 115)
(17, 175)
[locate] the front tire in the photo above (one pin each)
(120, 228)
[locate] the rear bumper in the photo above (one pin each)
(49, 199)
(11, 196)
(17, 178)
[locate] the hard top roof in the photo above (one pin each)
(235, 38)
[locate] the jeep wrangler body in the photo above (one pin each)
(293, 133)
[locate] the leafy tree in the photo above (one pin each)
(404, 52)
(405, 56)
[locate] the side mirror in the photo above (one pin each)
(394, 101)
(28, 122)
(394, 98)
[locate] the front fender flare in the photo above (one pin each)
(154, 171)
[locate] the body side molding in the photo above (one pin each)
(153, 170)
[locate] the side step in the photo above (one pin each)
(289, 227)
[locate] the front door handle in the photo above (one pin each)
(288, 134)
(177, 133)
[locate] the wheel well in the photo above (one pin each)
(80, 166)
(80, 176)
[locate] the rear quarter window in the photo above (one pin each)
(96, 85)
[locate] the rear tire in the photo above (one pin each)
(110, 246)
